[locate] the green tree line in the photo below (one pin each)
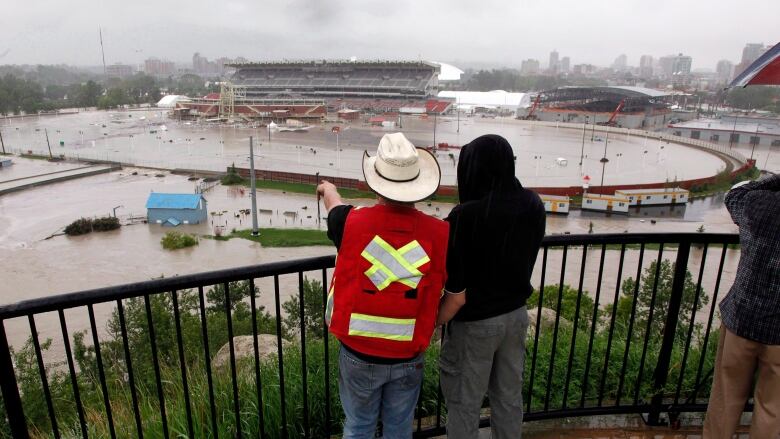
(21, 93)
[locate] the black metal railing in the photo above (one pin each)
(632, 333)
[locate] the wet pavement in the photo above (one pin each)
(150, 138)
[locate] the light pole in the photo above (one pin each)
(253, 192)
(435, 118)
(733, 131)
(582, 148)
(604, 160)
(117, 207)
(1, 141)
(754, 141)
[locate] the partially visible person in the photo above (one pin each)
(383, 299)
(495, 235)
(749, 343)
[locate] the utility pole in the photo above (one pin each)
(252, 189)
(582, 149)
(47, 143)
(1, 142)
(754, 141)
(435, 116)
(604, 160)
(733, 131)
(457, 108)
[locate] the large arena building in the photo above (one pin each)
(309, 89)
(622, 106)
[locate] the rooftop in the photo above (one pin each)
(743, 125)
(159, 200)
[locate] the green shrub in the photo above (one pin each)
(81, 226)
(105, 224)
(232, 177)
(177, 240)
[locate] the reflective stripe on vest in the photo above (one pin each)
(388, 328)
(390, 265)
(329, 305)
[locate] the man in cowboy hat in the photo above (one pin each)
(385, 291)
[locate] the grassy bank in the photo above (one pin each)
(280, 237)
(588, 360)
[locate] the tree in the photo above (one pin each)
(568, 298)
(660, 306)
(314, 318)
(88, 94)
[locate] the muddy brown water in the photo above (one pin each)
(34, 266)
(151, 138)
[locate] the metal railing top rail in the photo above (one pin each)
(126, 291)
(176, 283)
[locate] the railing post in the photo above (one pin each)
(11, 398)
(670, 329)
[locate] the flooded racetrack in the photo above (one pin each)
(37, 264)
(546, 156)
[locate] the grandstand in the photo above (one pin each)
(340, 79)
(310, 89)
(630, 107)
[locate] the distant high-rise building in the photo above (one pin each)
(199, 63)
(158, 67)
(554, 63)
(565, 64)
(584, 69)
(621, 62)
(750, 53)
(724, 70)
(119, 70)
(529, 67)
(646, 66)
(675, 65)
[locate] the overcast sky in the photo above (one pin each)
(457, 31)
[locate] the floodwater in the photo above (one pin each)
(34, 266)
(149, 138)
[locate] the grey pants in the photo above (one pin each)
(479, 357)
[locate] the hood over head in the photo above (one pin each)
(486, 165)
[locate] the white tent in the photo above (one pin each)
(169, 101)
(499, 99)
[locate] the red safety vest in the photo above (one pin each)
(390, 271)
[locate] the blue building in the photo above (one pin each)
(175, 209)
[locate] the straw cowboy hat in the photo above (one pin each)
(400, 171)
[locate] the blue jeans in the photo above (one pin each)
(368, 390)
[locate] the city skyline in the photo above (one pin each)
(372, 31)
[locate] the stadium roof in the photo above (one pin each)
(326, 62)
(651, 92)
(628, 91)
(494, 98)
(448, 72)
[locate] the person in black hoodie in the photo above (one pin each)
(495, 235)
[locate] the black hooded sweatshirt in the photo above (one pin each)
(495, 232)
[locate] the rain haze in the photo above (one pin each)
(462, 32)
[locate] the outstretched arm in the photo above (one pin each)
(329, 194)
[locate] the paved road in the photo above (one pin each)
(18, 184)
